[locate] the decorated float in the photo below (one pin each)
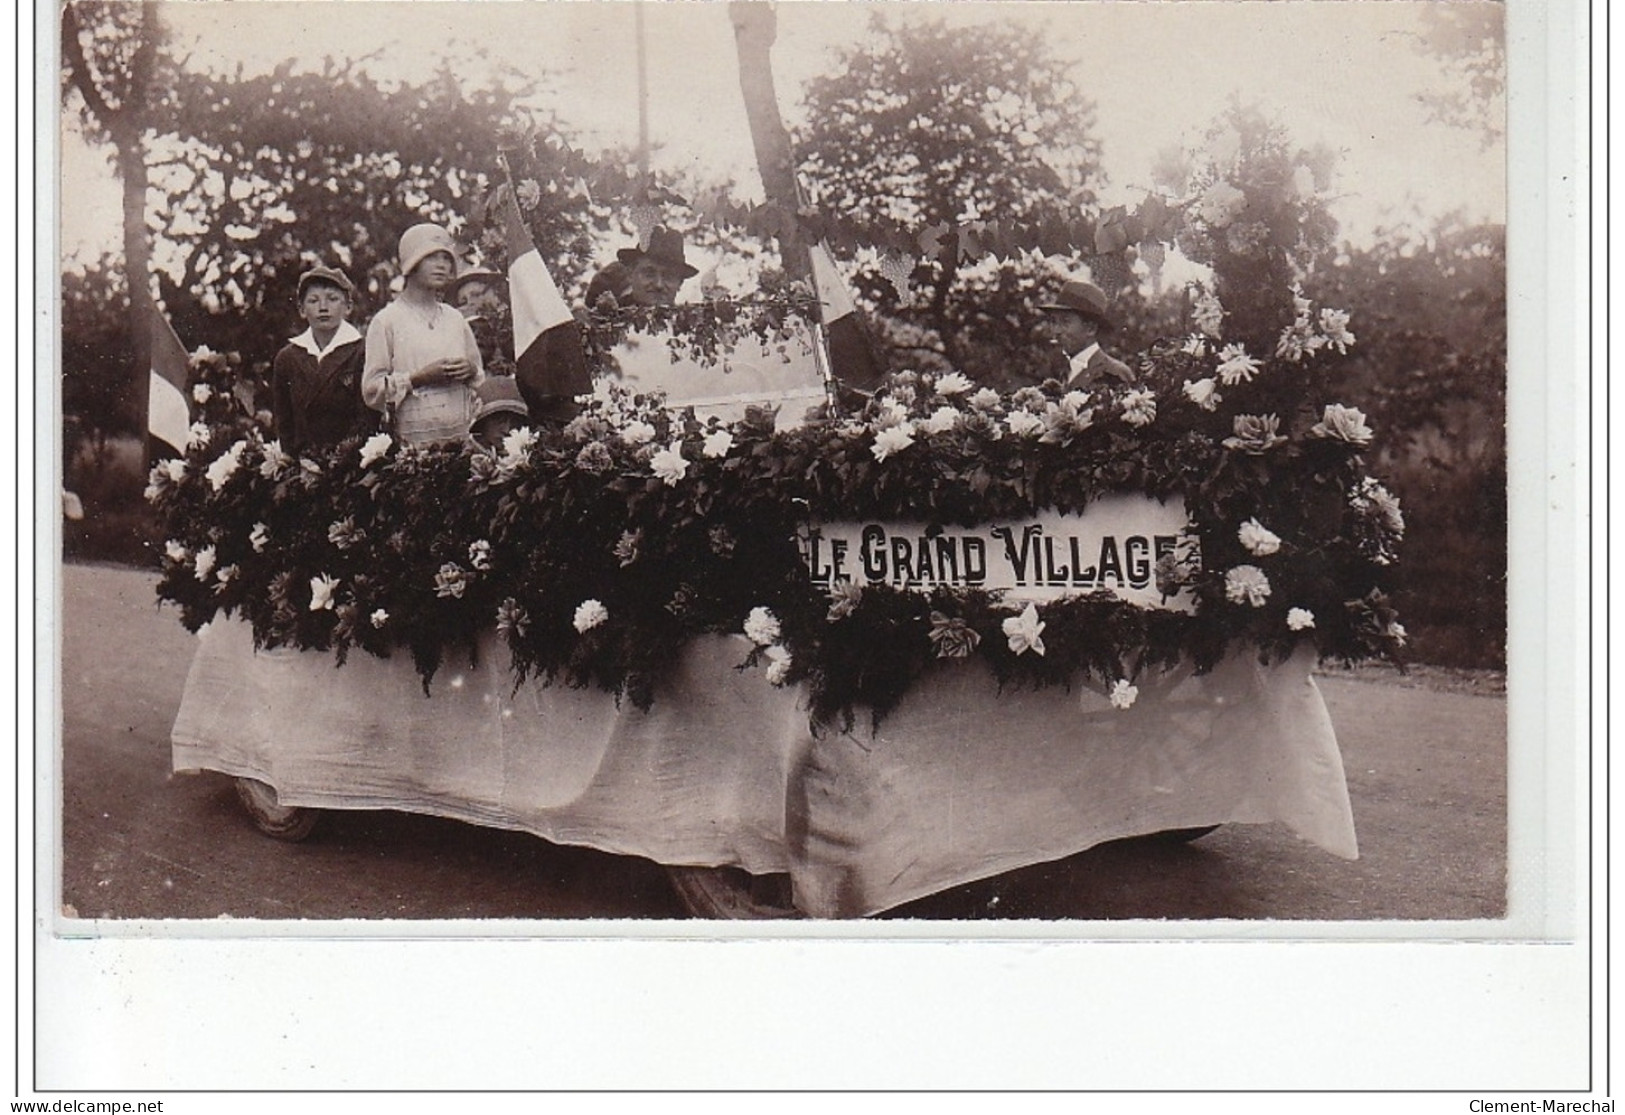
(878, 645)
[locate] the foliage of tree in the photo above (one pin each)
(933, 127)
(98, 367)
(1469, 41)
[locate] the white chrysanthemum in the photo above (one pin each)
(375, 447)
(892, 439)
(778, 665)
(638, 432)
(258, 537)
(226, 574)
(1123, 695)
(1397, 632)
(226, 465)
(1208, 315)
(1139, 408)
(717, 443)
(1195, 345)
(479, 555)
(985, 399)
(204, 563)
(589, 614)
(1334, 324)
(321, 592)
(890, 413)
(202, 393)
(1258, 540)
(174, 551)
(1235, 366)
(1025, 632)
(1300, 619)
(942, 420)
(1204, 393)
(1024, 423)
(669, 464)
(953, 383)
(762, 627)
(1246, 584)
(379, 617)
(174, 468)
(1343, 423)
(197, 435)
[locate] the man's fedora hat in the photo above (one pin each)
(665, 248)
(1079, 297)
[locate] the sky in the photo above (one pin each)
(1344, 73)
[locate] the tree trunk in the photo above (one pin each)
(132, 167)
(755, 27)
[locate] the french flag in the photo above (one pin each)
(550, 360)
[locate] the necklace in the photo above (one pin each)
(430, 316)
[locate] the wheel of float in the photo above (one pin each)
(283, 822)
(729, 893)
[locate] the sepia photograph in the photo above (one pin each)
(784, 470)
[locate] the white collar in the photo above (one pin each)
(1081, 361)
(343, 335)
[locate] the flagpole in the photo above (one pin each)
(643, 92)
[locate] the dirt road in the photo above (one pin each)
(1426, 772)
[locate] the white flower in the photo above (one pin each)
(275, 460)
(1335, 325)
(205, 562)
(202, 393)
(343, 533)
(953, 383)
(1397, 632)
(1123, 695)
(1257, 539)
(528, 193)
(1299, 619)
(258, 536)
(1024, 423)
(374, 448)
(762, 627)
(1235, 365)
(225, 574)
(516, 447)
(985, 399)
(451, 581)
(1204, 393)
(1025, 632)
(589, 614)
(669, 464)
(890, 413)
(174, 468)
(174, 551)
(717, 443)
(380, 617)
(778, 665)
(1303, 182)
(1139, 408)
(479, 555)
(226, 465)
(1246, 584)
(1195, 345)
(197, 435)
(638, 432)
(1344, 424)
(1074, 401)
(321, 593)
(1208, 315)
(942, 420)
(892, 439)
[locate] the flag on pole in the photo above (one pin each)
(550, 359)
(852, 355)
(168, 416)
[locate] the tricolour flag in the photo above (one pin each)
(168, 416)
(550, 359)
(852, 356)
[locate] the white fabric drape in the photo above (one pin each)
(961, 782)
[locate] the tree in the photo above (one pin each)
(932, 127)
(110, 55)
(1469, 40)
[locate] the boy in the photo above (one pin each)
(498, 412)
(316, 378)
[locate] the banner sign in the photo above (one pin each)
(1114, 545)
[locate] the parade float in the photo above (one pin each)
(880, 645)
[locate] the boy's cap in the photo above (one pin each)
(497, 395)
(1083, 298)
(421, 241)
(476, 275)
(327, 275)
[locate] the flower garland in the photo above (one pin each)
(599, 549)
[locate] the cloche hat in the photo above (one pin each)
(421, 241)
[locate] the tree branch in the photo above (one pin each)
(79, 69)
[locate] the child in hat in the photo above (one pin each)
(498, 411)
(316, 377)
(422, 361)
